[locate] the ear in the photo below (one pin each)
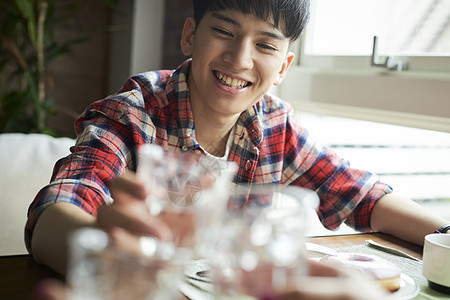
(187, 38)
(284, 68)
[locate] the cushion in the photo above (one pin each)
(26, 164)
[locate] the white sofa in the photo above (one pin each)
(26, 164)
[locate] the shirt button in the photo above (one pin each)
(248, 165)
(198, 151)
(184, 148)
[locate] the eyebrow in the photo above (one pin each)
(237, 24)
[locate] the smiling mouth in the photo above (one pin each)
(231, 82)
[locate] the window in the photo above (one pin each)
(334, 74)
(340, 33)
(405, 27)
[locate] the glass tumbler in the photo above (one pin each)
(260, 248)
(97, 270)
(183, 187)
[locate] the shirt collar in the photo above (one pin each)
(178, 97)
(251, 121)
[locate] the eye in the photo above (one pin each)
(266, 47)
(221, 31)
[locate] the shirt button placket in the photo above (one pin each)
(248, 165)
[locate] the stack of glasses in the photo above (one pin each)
(228, 239)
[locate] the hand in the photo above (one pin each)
(128, 218)
(328, 283)
(50, 289)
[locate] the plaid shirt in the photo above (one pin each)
(153, 107)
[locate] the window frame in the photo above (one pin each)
(417, 97)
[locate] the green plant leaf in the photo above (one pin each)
(51, 132)
(12, 113)
(28, 12)
(20, 107)
(57, 49)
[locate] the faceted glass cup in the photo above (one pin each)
(260, 248)
(98, 270)
(180, 186)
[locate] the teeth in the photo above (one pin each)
(234, 83)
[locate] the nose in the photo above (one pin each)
(239, 55)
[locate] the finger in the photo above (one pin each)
(127, 184)
(207, 181)
(126, 242)
(182, 225)
(135, 218)
(50, 289)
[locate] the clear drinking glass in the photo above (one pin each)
(181, 184)
(97, 270)
(260, 248)
(187, 191)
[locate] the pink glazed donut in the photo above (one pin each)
(382, 271)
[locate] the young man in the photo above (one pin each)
(216, 104)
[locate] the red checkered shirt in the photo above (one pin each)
(153, 107)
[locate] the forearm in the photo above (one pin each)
(49, 242)
(404, 218)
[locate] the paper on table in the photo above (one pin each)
(390, 250)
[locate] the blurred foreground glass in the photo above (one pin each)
(97, 270)
(181, 187)
(260, 249)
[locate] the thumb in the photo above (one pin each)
(50, 289)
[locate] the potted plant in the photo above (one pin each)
(27, 47)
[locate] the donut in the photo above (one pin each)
(382, 271)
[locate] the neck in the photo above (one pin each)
(212, 134)
(212, 129)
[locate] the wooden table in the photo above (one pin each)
(19, 274)
(341, 241)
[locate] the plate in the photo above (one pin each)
(408, 289)
(198, 283)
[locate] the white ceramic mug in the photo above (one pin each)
(436, 261)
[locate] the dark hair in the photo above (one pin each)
(294, 13)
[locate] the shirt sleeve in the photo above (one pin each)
(108, 133)
(346, 194)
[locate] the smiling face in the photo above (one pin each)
(236, 59)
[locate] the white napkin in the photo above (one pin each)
(196, 283)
